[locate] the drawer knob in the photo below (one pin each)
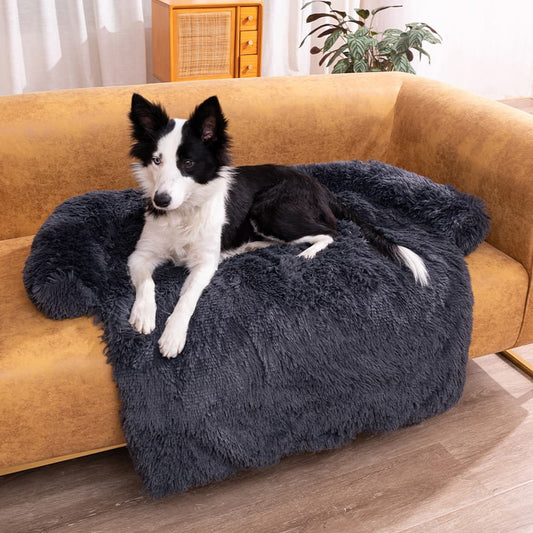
(250, 17)
(250, 42)
(250, 67)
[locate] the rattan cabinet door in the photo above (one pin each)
(203, 43)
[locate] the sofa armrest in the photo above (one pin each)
(481, 147)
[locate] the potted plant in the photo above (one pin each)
(362, 48)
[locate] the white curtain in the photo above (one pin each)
(59, 44)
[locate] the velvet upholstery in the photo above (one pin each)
(482, 147)
(59, 144)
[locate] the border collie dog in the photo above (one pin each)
(201, 210)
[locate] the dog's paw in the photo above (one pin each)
(142, 317)
(172, 341)
(309, 253)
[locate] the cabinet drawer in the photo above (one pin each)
(248, 18)
(248, 67)
(248, 42)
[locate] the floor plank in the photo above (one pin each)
(471, 465)
(509, 511)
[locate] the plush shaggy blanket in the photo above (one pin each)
(284, 355)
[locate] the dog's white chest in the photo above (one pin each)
(189, 235)
(195, 231)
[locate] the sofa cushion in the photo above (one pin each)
(500, 286)
(57, 396)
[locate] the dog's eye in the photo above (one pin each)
(188, 163)
(156, 160)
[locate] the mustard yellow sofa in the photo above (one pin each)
(57, 396)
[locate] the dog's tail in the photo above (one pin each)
(375, 236)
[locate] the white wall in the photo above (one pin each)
(487, 44)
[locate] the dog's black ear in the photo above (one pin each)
(146, 117)
(208, 121)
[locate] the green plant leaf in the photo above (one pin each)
(336, 54)
(423, 25)
(360, 66)
(326, 32)
(315, 1)
(315, 50)
(351, 19)
(363, 13)
(356, 47)
(430, 35)
(401, 63)
(316, 16)
(341, 13)
(363, 30)
(314, 30)
(433, 39)
(414, 38)
(421, 51)
(378, 9)
(359, 45)
(384, 47)
(342, 66)
(402, 43)
(325, 56)
(331, 40)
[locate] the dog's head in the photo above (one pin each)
(176, 156)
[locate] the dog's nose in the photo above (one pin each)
(162, 199)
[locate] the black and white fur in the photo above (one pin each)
(201, 210)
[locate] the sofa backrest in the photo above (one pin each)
(59, 144)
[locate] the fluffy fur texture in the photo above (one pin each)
(200, 210)
(283, 355)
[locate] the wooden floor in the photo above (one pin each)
(468, 470)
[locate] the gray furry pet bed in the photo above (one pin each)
(284, 355)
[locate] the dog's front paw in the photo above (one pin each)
(173, 339)
(309, 253)
(142, 317)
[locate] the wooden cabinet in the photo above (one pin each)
(202, 39)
